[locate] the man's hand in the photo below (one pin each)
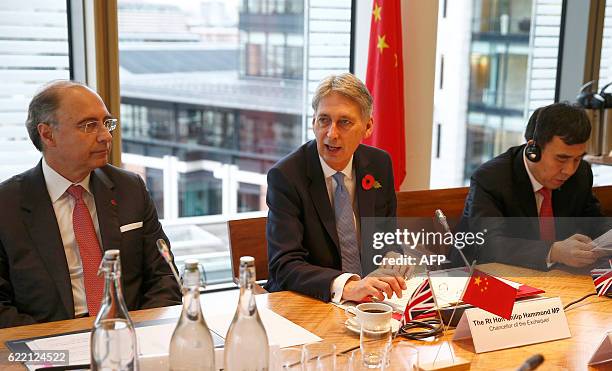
(574, 251)
(375, 286)
(397, 269)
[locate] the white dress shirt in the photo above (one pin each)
(63, 205)
(538, 197)
(337, 286)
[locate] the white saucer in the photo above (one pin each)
(355, 327)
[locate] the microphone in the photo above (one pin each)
(531, 363)
(441, 218)
(164, 251)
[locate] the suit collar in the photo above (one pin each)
(522, 183)
(318, 191)
(365, 198)
(328, 171)
(57, 184)
(534, 182)
(103, 189)
(43, 230)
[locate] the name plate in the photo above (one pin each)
(533, 321)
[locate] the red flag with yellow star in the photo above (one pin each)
(490, 293)
(385, 80)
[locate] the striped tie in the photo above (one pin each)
(345, 225)
(89, 249)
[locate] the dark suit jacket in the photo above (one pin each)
(501, 200)
(303, 247)
(34, 279)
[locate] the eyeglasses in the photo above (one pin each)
(95, 126)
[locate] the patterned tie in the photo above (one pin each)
(347, 234)
(89, 248)
(547, 220)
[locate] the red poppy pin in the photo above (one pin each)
(113, 202)
(368, 182)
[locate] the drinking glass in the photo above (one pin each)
(401, 356)
(287, 359)
(319, 357)
(374, 342)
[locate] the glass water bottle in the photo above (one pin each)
(113, 338)
(246, 343)
(191, 346)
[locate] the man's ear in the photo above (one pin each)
(45, 131)
(369, 127)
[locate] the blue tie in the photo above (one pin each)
(347, 234)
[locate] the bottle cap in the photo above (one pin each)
(191, 263)
(247, 260)
(111, 254)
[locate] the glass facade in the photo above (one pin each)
(499, 56)
(212, 95)
(501, 68)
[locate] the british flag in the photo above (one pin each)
(421, 303)
(602, 279)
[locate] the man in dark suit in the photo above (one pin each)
(530, 199)
(59, 216)
(318, 195)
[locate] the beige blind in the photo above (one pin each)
(33, 51)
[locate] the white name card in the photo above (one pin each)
(533, 321)
(603, 353)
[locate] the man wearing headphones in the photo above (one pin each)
(530, 200)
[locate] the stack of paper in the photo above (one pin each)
(155, 339)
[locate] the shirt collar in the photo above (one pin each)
(57, 184)
(534, 183)
(328, 171)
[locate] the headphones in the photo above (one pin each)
(533, 150)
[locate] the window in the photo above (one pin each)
(500, 64)
(212, 95)
(605, 65)
(33, 50)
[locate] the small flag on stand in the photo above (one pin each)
(602, 279)
(420, 302)
(489, 293)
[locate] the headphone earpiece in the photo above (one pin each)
(533, 152)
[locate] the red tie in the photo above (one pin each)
(89, 248)
(547, 220)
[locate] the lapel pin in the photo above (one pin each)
(368, 181)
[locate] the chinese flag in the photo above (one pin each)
(385, 80)
(490, 293)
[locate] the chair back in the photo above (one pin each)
(423, 204)
(247, 237)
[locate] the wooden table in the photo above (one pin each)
(587, 321)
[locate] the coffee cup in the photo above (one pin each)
(371, 315)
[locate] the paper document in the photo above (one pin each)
(151, 340)
(447, 286)
(155, 339)
(603, 242)
(280, 330)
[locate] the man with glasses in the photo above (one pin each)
(60, 216)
